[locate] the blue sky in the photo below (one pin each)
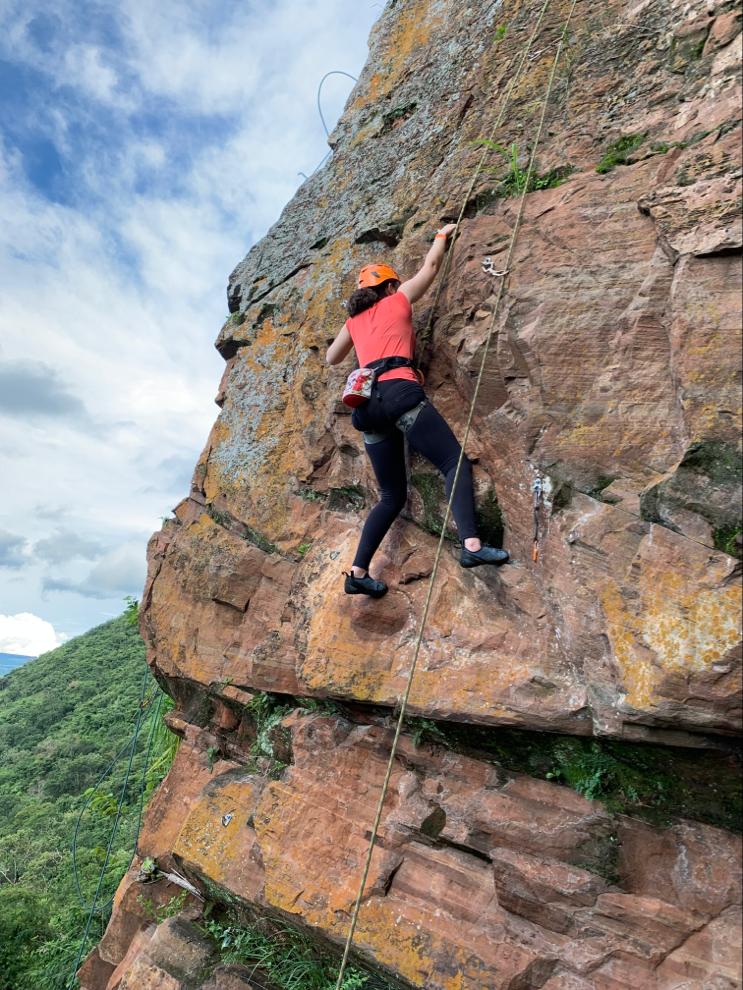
(143, 149)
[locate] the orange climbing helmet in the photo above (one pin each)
(371, 275)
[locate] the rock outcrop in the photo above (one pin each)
(614, 376)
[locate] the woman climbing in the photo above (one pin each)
(380, 327)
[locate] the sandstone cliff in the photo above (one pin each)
(615, 378)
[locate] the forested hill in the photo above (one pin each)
(9, 661)
(63, 719)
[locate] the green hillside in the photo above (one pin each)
(64, 718)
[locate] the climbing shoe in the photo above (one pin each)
(485, 555)
(365, 586)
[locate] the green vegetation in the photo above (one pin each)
(550, 180)
(430, 487)
(619, 152)
(310, 495)
(686, 50)
(239, 528)
(515, 181)
(657, 783)
(348, 498)
(304, 548)
(500, 32)
(323, 706)
(398, 113)
(716, 460)
(287, 957)
(423, 730)
(272, 746)
(259, 540)
(596, 490)
(161, 913)
(489, 519)
(707, 482)
(63, 720)
(728, 539)
(131, 612)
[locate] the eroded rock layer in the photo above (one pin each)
(482, 878)
(614, 377)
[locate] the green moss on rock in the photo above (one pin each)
(489, 519)
(430, 487)
(657, 783)
(619, 152)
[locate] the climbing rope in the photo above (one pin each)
(432, 579)
(333, 72)
(94, 906)
(487, 147)
(144, 706)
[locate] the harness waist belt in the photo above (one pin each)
(383, 365)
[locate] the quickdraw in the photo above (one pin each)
(489, 268)
(538, 492)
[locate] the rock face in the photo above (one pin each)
(614, 377)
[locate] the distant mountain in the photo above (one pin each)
(9, 661)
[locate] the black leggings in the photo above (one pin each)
(431, 436)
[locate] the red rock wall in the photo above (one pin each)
(614, 376)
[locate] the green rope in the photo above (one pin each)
(114, 829)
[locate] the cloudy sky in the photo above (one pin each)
(143, 149)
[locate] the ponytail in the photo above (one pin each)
(363, 299)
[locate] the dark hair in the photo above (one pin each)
(363, 299)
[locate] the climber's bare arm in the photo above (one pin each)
(416, 287)
(340, 347)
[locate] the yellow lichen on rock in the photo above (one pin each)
(679, 621)
(215, 839)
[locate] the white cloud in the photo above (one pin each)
(28, 635)
(84, 64)
(12, 550)
(118, 290)
(64, 546)
(120, 572)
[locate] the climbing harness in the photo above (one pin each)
(404, 424)
(424, 616)
(361, 382)
(538, 491)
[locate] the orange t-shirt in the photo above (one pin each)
(385, 330)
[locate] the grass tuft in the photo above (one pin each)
(287, 957)
(729, 539)
(515, 181)
(619, 152)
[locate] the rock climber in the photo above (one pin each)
(380, 328)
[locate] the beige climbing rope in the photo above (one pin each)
(439, 550)
(481, 164)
